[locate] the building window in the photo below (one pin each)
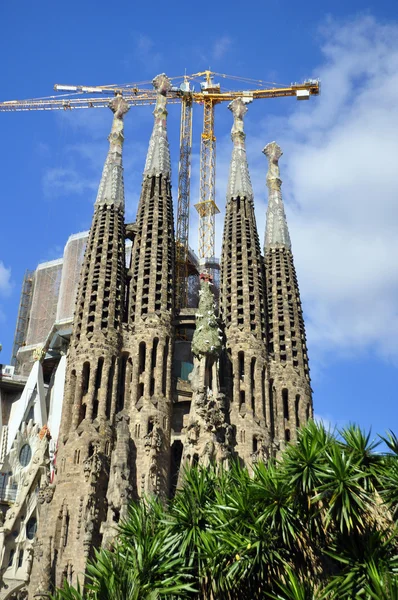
(25, 455)
(20, 559)
(285, 400)
(11, 557)
(31, 528)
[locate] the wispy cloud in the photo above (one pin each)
(5, 280)
(6, 286)
(341, 173)
(144, 50)
(221, 47)
(340, 188)
(61, 181)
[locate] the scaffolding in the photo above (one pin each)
(47, 280)
(23, 315)
(72, 266)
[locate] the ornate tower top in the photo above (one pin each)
(276, 232)
(239, 183)
(111, 188)
(158, 157)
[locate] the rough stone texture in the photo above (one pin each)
(208, 433)
(70, 523)
(130, 419)
(149, 331)
(289, 381)
(242, 299)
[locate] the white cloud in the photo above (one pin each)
(145, 51)
(61, 181)
(343, 181)
(221, 47)
(341, 189)
(5, 280)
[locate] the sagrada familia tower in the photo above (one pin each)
(126, 429)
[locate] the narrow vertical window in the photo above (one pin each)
(285, 401)
(297, 410)
(241, 360)
(141, 353)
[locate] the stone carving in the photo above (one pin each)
(43, 552)
(153, 440)
(207, 338)
(158, 157)
(46, 492)
(38, 353)
(276, 232)
(111, 188)
(92, 466)
(192, 432)
(239, 183)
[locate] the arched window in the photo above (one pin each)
(25, 455)
(242, 399)
(31, 528)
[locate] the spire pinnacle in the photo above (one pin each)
(276, 231)
(111, 188)
(158, 157)
(239, 183)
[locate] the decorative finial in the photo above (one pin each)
(119, 107)
(276, 232)
(162, 84)
(239, 183)
(111, 188)
(158, 157)
(273, 152)
(238, 109)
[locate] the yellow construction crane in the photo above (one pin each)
(210, 94)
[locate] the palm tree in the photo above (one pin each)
(317, 523)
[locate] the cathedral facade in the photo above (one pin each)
(130, 418)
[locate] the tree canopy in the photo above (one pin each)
(319, 522)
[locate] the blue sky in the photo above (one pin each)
(339, 166)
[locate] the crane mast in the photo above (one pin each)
(210, 94)
(184, 177)
(206, 206)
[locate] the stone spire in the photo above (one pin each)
(289, 380)
(239, 183)
(242, 303)
(149, 343)
(276, 233)
(111, 188)
(94, 389)
(158, 157)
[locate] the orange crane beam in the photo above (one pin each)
(209, 96)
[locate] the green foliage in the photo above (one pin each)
(318, 523)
